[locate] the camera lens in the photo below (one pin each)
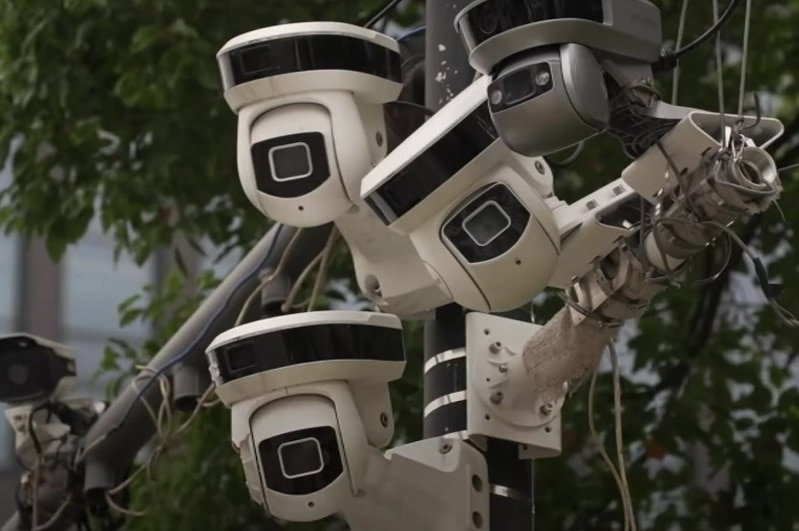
(300, 458)
(518, 86)
(301, 462)
(18, 374)
(486, 223)
(487, 19)
(290, 162)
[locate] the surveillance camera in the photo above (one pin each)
(548, 63)
(33, 369)
(309, 404)
(309, 98)
(477, 213)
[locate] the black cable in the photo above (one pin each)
(36, 444)
(711, 32)
(375, 17)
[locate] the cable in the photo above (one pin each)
(711, 32)
(186, 353)
(601, 448)
(744, 58)
(380, 13)
(675, 81)
(269, 278)
(321, 276)
(411, 33)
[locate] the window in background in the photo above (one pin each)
(221, 267)
(94, 286)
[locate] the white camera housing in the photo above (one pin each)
(478, 214)
(34, 369)
(309, 404)
(309, 101)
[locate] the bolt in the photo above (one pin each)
(495, 347)
(539, 167)
(497, 397)
(503, 368)
(546, 409)
(496, 97)
(542, 78)
(590, 205)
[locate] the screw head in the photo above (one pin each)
(384, 420)
(542, 78)
(539, 166)
(379, 139)
(496, 97)
(495, 347)
(546, 409)
(445, 446)
(497, 397)
(503, 368)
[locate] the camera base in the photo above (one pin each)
(436, 484)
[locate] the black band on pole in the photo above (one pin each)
(510, 479)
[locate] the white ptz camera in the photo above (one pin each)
(477, 213)
(34, 369)
(310, 118)
(550, 63)
(309, 98)
(309, 404)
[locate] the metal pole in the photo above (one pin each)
(447, 73)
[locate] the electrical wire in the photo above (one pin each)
(675, 80)
(380, 13)
(183, 355)
(719, 74)
(321, 276)
(268, 279)
(601, 448)
(712, 31)
(744, 58)
(411, 33)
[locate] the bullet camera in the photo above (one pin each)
(309, 98)
(33, 369)
(477, 213)
(548, 62)
(310, 405)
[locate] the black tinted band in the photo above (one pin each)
(517, 213)
(435, 166)
(492, 17)
(303, 53)
(308, 344)
(263, 161)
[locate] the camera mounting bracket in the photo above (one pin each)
(500, 401)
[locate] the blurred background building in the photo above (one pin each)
(74, 302)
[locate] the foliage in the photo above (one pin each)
(120, 110)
